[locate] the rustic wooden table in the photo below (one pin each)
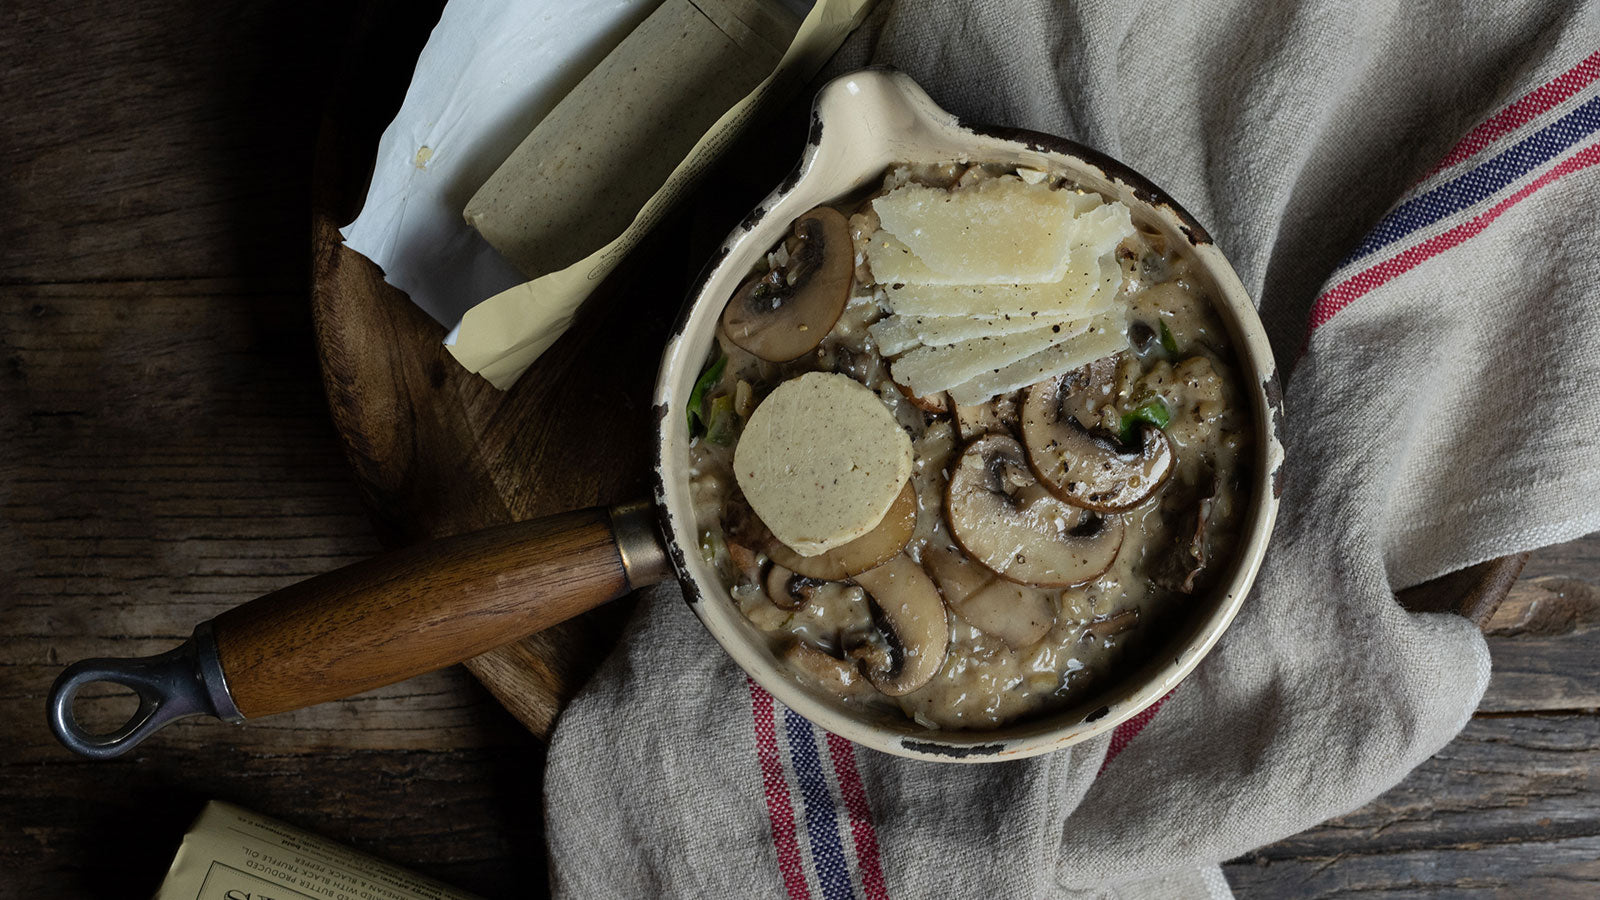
(167, 453)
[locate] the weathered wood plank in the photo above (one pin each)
(1502, 779)
(1513, 799)
(168, 452)
(471, 818)
(1545, 644)
(1550, 870)
(168, 456)
(161, 139)
(1574, 559)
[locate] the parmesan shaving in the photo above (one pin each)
(993, 231)
(897, 334)
(893, 262)
(1102, 228)
(928, 370)
(995, 283)
(1075, 295)
(1107, 336)
(1111, 277)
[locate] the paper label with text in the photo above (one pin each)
(233, 854)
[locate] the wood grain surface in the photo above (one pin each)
(168, 453)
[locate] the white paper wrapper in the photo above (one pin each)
(489, 73)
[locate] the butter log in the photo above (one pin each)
(821, 461)
(581, 175)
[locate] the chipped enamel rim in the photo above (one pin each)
(862, 123)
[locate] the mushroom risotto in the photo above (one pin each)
(969, 445)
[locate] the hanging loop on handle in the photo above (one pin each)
(185, 681)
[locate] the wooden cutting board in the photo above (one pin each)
(437, 451)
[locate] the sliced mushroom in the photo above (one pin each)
(791, 590)
(875, 547)
(1197, 545)
(957, 577)
(786, 313)
(744, 559)
(1015, 614)
(915, 626)
(1087, 393)
(740, 523)
(841, 676)
(1004, 519)
(998, 415)
(1094, 471)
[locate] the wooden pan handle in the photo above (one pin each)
(378, 622)
(1474, 592)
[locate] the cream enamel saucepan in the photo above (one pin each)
(423, 608)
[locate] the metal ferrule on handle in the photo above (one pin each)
(185, 681)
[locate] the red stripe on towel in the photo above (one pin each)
(1539, 100)
(1124, 734)
(862, 832)
(780, 807)
(1348, 291)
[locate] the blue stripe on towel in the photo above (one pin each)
(1483, 181)
(822, 818)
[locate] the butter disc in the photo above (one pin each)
(821, 460)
